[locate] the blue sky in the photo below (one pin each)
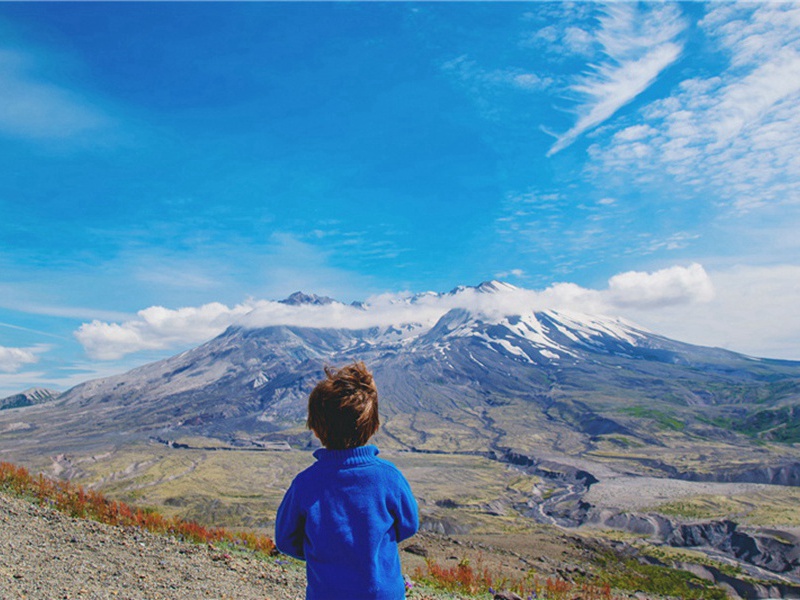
(165, 166)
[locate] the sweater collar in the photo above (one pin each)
(351, 456)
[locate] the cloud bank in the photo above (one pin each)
(159, 328)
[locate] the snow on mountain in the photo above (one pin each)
(256, 361)
(477, 363)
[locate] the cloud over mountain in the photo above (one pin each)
(160, 328)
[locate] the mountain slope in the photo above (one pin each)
(28, 398)
(471, 381)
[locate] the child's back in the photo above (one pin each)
(345, 514)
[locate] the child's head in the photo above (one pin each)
(343, 407)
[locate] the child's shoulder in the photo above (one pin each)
(387, 464)
(391, 469)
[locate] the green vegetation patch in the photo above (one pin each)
(631, 575)
(671, 555)
(771, 508)
(778, 425)
(663, 420)
(703, 507)
(624, 441)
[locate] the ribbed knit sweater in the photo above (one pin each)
(344, 516)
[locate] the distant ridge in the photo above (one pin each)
(299, 298)
(29, 398)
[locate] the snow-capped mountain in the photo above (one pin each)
(473, 378)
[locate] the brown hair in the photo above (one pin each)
(343, 407)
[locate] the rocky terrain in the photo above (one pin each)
(44, 554)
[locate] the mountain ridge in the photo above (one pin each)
(565, 375)
(29, 397)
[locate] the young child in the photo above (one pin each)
(345, 514)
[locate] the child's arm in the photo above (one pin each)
(407, 517)
(290, 526)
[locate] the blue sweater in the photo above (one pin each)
(344, 515)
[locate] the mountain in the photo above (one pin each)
(473, 380)
(28, 398)
(299, 298)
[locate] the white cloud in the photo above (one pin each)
(638, 46)
(512, 273)
(33, 107)
(14, 359)
(577, 40)
(161, 328)
(733, 136)
(157, 328)
(676, 285)
(470, 73)
(753, 311)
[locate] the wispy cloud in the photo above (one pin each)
(51, 310)
(735, 135)
(34, 107)
(469, 72)
(638, 46)
(162, 328)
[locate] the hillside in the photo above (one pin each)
(28, 398)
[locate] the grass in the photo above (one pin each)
(672, 555)
(663, 420)
(780, 425)
(629, 574)
(76, 501)
(775, 507)
(463, 578)
(624, 441)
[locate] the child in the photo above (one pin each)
(345, 514)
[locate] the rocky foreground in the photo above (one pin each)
(47, 555)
